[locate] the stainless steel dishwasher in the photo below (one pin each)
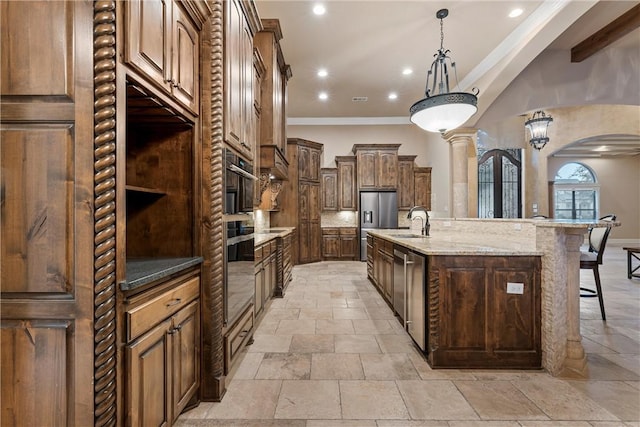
(409, 292)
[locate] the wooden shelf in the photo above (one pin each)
(145, 190)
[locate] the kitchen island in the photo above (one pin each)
(555, 243)
(481, 300)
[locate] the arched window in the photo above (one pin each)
(575, 192)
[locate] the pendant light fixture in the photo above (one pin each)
(537, 126)
(442, 110)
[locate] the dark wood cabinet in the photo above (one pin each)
(422, 191)
(163, 44)
(406, 182)
(240, 25)
(301, 199)
(339, 243)
(329, 185)
(347, 191)
(330, 243)
(377, 166)
(273, 91)
(475, 321)
(163, 352)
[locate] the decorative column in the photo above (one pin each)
(460, 140)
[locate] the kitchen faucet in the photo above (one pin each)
(425, 226)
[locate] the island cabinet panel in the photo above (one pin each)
(475, 321)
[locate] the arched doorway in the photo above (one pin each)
(500, 184)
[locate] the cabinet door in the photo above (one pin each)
(329, 187)
(186, 355)
(387, 170)
(233, 72)
(314, 202)
(347, 200)
(304, 200)
(406, 184)
(367, 169)
(314, 171)
(348, 247)
(304, 242)
(247, 141)
(185, 60)
(422, 177)
(330, 243)
(304, 163)
(149, 378)
(315, 240)
(148, 39)
(259, 285)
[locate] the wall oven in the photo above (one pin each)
(239, 183)
(239, 275)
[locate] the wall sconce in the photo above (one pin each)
(537, 126)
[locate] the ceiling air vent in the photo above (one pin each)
(359, 99)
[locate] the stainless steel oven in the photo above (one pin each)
(239, 183)
(239, 275)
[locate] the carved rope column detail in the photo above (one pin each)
(217, 171)
(104, 77)
(433, 309)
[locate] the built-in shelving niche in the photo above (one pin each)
(159, 178)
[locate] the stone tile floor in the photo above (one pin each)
(331, 354)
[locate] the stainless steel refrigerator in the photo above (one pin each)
(378, 209)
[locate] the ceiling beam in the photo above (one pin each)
(602, 38)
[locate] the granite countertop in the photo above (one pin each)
(266, 235)
(457, 244)
(146, 270)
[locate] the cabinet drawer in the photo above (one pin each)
(348, 231)
(144, 316)
(258, 254)
(237, 337)
(330, 231)
(274, 246)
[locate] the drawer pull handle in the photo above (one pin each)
(174, 302)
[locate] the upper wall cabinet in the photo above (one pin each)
(162, 43)
(240, 25)
(329, 187)
(406, 183)
(347, 192)
(274, 99)
(422, 179)
(377, 166)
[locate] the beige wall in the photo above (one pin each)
(430, 149)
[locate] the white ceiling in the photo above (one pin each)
(365, 44)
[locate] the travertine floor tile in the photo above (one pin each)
(373, 327)
(334, 366)
(341, 423)
(284, 366)
(240, 423)
(316, 313)
(362, 400)
(499, 400)
(395, 343)
(342, 326)
(270, 344)
(281, 313)
(563, 403)
(248, 366)
(394, 366)
(248, 399)
(411, 423)
(356, 344)
(435, 400)
(312, 344)
(293, 327)
(350, 313)
(617, 397)
(313, 399)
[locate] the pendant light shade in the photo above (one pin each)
(442, 110)
(537, 126)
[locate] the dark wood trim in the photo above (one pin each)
(213, 379)
(104, 202)
(608, 34)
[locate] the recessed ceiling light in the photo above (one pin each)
(393, 95)
(407, 71)
(515, 13)
(322, 73)
(323, 96)
(319, 9)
